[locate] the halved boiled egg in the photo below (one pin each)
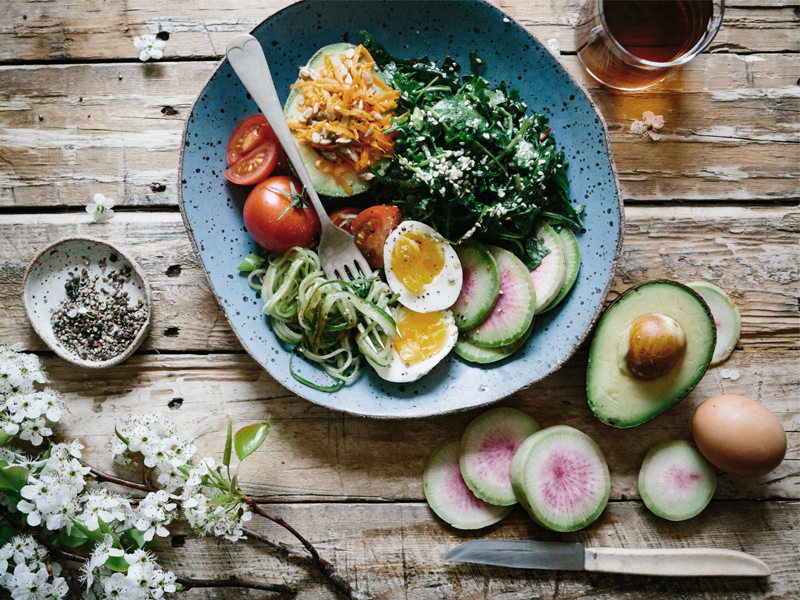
(422, 267)
(422, 341)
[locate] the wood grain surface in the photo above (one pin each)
(63, 127)
(752, 252)
(716, 199)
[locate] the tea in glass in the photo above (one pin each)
(633, 44)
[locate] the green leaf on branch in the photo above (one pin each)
(95, 535)
(13, 478)
(117, 563)
(4, 437)
(249, 439)
(219, 500)
(226, 457)
(136, 537)
(73, 539)
(120, 436)
(234, 484)
(6, 533)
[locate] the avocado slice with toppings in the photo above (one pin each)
(324, 183)
(651, 347)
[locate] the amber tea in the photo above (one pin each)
(632, 44)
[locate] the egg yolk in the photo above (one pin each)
(421, 336)
(417, 258)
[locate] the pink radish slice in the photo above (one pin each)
(676, 482)
(448, 495)
(513, 311)
(548, 278)
(487, 448)
(480, 286)
(560, 476)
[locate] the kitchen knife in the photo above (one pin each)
(683, 562)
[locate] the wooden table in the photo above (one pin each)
(715, 199)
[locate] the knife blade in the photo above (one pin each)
(681, 562)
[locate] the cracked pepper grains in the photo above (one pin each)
(95, 322)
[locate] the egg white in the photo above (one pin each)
(440, 293)
(400, 371)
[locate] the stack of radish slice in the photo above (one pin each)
(499, 297)
(558, 474)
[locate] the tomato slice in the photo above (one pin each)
(257, 165)
(371, 228)
(344, 217)
(248, 135)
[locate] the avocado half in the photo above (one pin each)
(324, 183)
(617, 397)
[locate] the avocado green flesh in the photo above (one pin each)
(324, 183)
(616, 396)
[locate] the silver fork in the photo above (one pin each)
(338, 253)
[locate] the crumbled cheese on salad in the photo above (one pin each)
(349, 110)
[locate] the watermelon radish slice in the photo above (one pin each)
(487, 449)
(513, 312)
(550, 275)
(480, 287)
(726, 318)
(573, 256)
(560, 476)
(676, 482)
(448, 495)
(485, 356)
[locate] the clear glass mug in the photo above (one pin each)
(630, 45)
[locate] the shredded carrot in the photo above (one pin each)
(347, 109)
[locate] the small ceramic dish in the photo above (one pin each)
(43, 289)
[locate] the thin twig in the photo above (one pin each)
(188, 583)
(327, 569)
(288, 550)
(101, 476)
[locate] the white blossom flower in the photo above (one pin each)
(101, 208)
(101, 553)
(153, 514)
(35, 431)
(150, 46)
(648, 125)
(552, 43)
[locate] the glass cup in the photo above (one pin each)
(634, 44)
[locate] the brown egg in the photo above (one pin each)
(656, 344)
(738, 435)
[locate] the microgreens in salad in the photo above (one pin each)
(469, 160)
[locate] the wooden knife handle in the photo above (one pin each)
(688, 562)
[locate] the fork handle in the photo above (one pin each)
(248, 61)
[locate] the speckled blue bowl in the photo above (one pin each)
(212, 207)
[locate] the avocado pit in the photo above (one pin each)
(656, 344)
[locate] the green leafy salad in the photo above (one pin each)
(469, 161)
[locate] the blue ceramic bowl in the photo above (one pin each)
(212, 207)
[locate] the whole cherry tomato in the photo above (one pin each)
(278, 218)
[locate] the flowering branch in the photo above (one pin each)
(56, 502)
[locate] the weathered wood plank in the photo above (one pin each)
(102, 129)
(751, 252)
(314, 453)
(91, 29)
(393, 552)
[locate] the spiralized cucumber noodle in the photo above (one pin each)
(330, 322)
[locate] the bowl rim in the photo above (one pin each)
(614, 263)
(148, 296)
